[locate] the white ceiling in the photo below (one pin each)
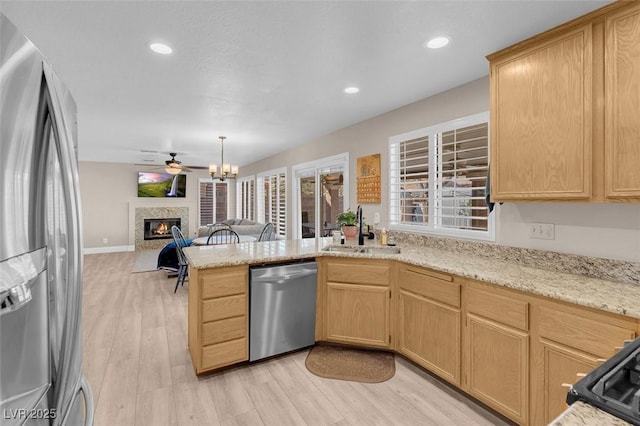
(269, 74)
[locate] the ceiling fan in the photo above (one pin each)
(333, 180)
(175, 167)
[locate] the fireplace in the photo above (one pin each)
(159, 229)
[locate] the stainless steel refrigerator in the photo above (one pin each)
(41, 380)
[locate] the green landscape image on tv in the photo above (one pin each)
(161, 185)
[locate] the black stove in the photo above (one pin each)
(613, 387)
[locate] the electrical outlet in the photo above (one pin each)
(376, 218)
(105, 240)
(542, 231)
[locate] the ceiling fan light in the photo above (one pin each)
(172, 170)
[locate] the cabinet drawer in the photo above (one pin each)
(433, 285)
(224, 283)
(214, 356)
(591, 335)
(224, 330)
(361, 272)
(224, 307)
(502, 309)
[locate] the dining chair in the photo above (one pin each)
(183, 264)
(268, 232)
(223, 236)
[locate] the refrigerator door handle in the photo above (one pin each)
(88, 399)
(17, 275)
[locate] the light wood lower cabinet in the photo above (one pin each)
(428, 320)
(560, 364)
(509, 349)
(496, 350)
(358, 314)
(218, 317)
(357, 300)
(570, 340)
(498, 366)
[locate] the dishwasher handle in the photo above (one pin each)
(284, 277)
(283, 273)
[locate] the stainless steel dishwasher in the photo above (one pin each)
(282, 308)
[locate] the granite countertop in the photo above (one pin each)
(580, 413)
(611, 296)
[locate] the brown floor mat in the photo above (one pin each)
(358, 365)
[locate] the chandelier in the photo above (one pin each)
(227, 171)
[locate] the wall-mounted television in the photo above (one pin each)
(161, 185)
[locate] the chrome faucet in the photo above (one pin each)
(360, 234)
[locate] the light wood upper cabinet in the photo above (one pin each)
(622, 103)
(541, 111)
(564, 111)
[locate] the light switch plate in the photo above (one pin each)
(542, 231)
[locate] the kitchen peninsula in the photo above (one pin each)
(464, 317)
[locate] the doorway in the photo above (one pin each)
(320, 196)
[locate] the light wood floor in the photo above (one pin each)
(136, 359)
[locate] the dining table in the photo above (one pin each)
(202, 241)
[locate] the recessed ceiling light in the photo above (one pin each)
(437, 42)
(161, 48)
(351, 90)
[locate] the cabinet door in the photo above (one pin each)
(429, 334)
(497, 371)
(560, 365)
(622, 103)
(358, 314)
(541, 118)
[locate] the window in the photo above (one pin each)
(246, 200)
(213, 201)
(437, 179)
(272, 199)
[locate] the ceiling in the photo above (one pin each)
(269, 75)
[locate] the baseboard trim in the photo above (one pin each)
(111, 249)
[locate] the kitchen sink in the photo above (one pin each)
(381, 250)
(367, 250)
(339, 249)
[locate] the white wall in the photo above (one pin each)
(108, 190)
(610, 231)
(603, 230)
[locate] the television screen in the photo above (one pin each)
(161, 185)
